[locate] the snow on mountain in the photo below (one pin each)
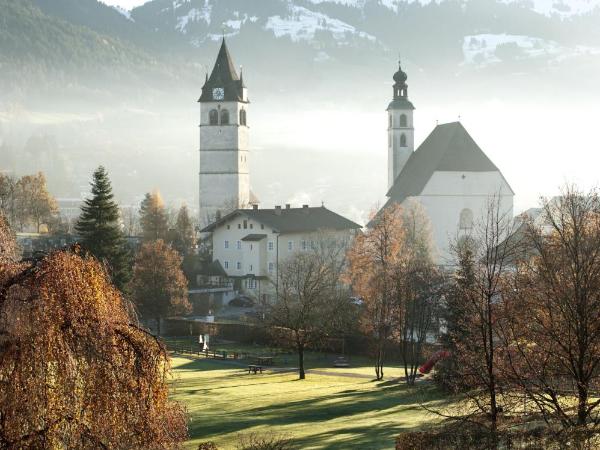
(123, 11)
(302, 24)
(561, 8)
(486, 49)
(193, 15)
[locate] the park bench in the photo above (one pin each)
(264, 360)
(254, 368)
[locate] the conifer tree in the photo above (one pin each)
(153, 218)
(183, 234)
(100, 232)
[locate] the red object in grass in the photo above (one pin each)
(428, 365)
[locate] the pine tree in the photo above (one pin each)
(153, 218)
(100, 232)
(183, 234)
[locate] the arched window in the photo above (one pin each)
(403, 140)
(403, 121)
(213, 117)
(466, 219)
(224, 117)
(243, 117)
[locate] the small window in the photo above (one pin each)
(290, 245)
(243, 117)
(226, 244)
(466, 219)
(403, 121)
(213, 117)
(403, 140)
(312, 245)
(251, 247)
(251, 226)
(262, 226)
(224, 117)
(270, 246)
(271, 267)
(226, 264)
(303, 245)
(239, 226)
(228, 227)
(239, 245)
(245, 224)
(239, 265)
(251, 267)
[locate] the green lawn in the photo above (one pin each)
(321, 412)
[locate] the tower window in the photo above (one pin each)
(243, 117)
(403, 140)
(466, 219)
(390, 120)
(213, 117)
(403, 120)
(224, 117)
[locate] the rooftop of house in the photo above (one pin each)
(290, 220)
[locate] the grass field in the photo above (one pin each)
(321, 412)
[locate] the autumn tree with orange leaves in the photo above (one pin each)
(76, 370)
(372, 261)
(159, 287)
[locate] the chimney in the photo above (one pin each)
(305, 209)
(277, 210)
(255, 207)
(287, 206)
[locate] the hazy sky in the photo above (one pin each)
(127, 4)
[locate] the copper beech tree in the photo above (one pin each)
(76, 371)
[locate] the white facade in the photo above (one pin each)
(249, 249)
(224, 159)
(456, 202)
(401, 141)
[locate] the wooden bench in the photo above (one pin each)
(254, 368)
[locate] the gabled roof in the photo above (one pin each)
(449, 148)
(291, 220)
(223, 76)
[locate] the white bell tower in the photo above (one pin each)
(401, 132)
(224, 151)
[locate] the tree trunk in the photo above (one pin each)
(582, 395)
(301, 373)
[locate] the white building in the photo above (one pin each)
(449, 174)
(224, 145)
(251, 243)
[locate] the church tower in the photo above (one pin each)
(224, 173)
(401, 132)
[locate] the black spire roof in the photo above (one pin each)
(223, 76)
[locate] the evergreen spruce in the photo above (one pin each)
(100, 232)
(182, 237)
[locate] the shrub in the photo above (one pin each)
(207, 446)
(255, 441)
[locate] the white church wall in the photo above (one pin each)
(448, 193)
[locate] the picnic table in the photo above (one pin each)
(254, 368)
(264, 360)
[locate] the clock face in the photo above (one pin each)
(218, 93)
